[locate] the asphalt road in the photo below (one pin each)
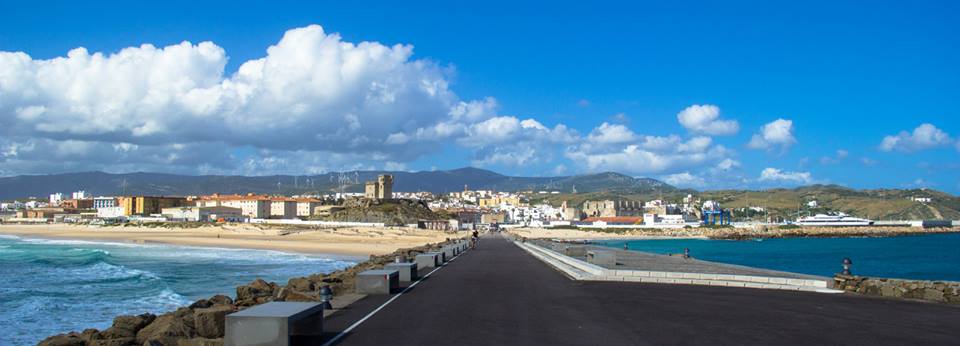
(497, 294)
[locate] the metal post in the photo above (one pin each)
(326, 294)
(846, 266)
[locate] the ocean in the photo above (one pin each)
(921, 257)
(55, 286)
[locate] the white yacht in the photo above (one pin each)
(840, 219)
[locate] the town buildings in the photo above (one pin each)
(612, 208)
(148, 205)
(104, 202)
(208, 214)
(252, 206)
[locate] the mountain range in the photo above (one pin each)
(108, 184)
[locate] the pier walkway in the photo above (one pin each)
(498, 294)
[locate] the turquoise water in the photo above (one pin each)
(922, 257)
(55, 286)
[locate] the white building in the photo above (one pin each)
(110, 213)
(283, 208)
(306, 207)
(79, 195)
(206, 214)
(104, 202)
(812, 204)
(56, 198)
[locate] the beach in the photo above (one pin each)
(345, 241)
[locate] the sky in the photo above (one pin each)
(707, 95)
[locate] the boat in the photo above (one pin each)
(839, 219)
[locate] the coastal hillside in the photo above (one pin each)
(879, 204)
(100, 183)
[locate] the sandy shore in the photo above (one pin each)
(726, 233)
(353, 241)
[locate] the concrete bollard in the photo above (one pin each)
(380, 281)
(407, 270)
(448, 252)
(428, 260)
(601, 257)
(275, 323)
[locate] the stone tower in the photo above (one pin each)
(385, 186)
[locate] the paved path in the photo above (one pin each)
(498, 294)
(638, 260)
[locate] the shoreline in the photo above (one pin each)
(725, 233)
(354, 243)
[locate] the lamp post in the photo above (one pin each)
(686, 252)
(326, 294)
(846, 266)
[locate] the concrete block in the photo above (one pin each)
(691, 276)
(683, 281)
(673, 275)
(448, 253)
(378, 281)
(736, 284)
(796, 282)
(407, 270)
(754, 285)
(658, 274)
(427, 260)
(601, 257)
(725, 277)
(701, 282)
(275, 323)
(779, 281)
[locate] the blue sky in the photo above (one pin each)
(845, 75)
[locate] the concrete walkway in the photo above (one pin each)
(499, 294)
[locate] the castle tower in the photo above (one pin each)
(385, 186)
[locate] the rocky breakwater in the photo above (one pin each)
(202, 323)
(947, 292)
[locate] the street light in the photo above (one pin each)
(846, 266)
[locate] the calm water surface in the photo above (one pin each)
(925, 257)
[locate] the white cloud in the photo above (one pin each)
(644, 155)
(925, 136)
(684, 179)
(776, 175)
(728, 164)
(311, 91)
(705, 119)
(608, 133)
(775, 135)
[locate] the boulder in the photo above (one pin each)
(127, 326)
(129, 341)
(932, 294)
(221, 300)
(72, 339)
(209, 322)
(201, 304)
(297, 296)
(256, 292)
(166, 329)
(301, 284)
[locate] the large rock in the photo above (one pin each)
(257, 292)
(72, 339)
(127, 326)
(209, 322)
(167, 329)
(301, 284)
(131, 341)
(221, 300)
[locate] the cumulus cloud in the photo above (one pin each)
(311, 91)
(615, 148)
(608, 133)
(705, 119)
(775, 135)
(775, 175)
(684, 179)
(925, 136)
